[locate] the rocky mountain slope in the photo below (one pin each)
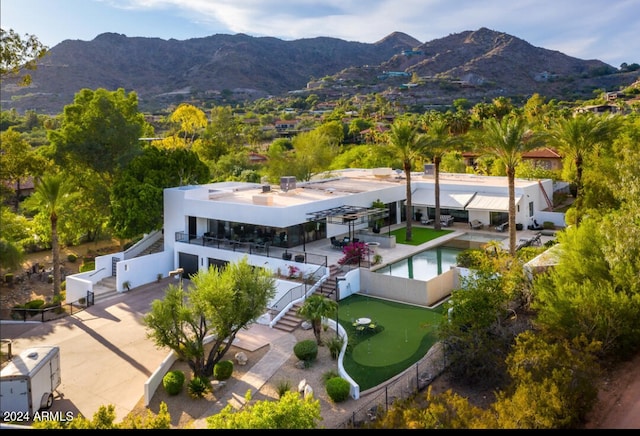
(223, 69)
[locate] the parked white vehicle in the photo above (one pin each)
(28, 382)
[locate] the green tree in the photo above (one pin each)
(100, 130)
(290, 411)
(452, 162)
(235, 166)
(312, 153)
(594, 290)
(439, 140)
(52, 198)
(18, 53)
(552, 383)
(356, 126)
(13, 230)
(314, 309)
(577, 138)
(447, 410)
(18, 160)
(507, 140)
(474, 329)
(137, 194)
(104, 419)
(222, 135)
(191, 121)
(218, 303)
(408, 144)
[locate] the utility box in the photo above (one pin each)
(28, 382)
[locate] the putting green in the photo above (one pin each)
(403, 334)
(377, 352)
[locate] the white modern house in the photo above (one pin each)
(212, 224)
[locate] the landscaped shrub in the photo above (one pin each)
(335, 345)
(329, 375)
(72, 257)
(173, 381)
(337, 389)
(34, 304)
(61, 297)
(223, 370)
(283, 387)
(306, 350)
(198, 387)
(470, 258)
(354, 253)
(549, 225)
(87, 266)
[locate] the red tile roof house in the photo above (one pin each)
(545, 157)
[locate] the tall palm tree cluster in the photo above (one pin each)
(506, 137)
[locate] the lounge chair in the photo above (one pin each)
(446, 220)
(535, 226)
(426, 220)
(476, 224)
(502, 227)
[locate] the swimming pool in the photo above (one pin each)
(423, 265)
(432, 262)
(473, 240)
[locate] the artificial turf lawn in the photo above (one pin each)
(419, 235)
(402, 336)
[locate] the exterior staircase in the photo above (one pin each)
(156, 247)
(105, 288)
(291, 320)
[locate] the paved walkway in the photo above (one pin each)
(280, 349)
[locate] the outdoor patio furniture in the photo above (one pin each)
(335, 243)
(426, 220)
(261, 246)
(476, 224)
(446, 220)
(502, 227)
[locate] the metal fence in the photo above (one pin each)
(266, 250)
(414, 379)
(48, 313)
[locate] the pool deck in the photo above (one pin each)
(401, 251)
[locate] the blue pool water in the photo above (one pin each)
(424, 265)
(432, 262)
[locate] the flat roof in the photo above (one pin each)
(339, 183)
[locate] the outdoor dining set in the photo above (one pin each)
(364, 324)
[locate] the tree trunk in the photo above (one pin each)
(436, 164)
(578, 202)
(408, 214)
(55, 254)
(316, 324)
(512, 210)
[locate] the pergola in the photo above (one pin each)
(349, 216)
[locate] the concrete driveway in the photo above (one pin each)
(105, 356)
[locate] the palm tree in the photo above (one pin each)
(51, 195)
(408, 144)
(507, 139)
(439, 140)
(314, 309)
(577, 137)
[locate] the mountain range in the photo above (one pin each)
(227, 69)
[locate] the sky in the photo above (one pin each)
(607, 30)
